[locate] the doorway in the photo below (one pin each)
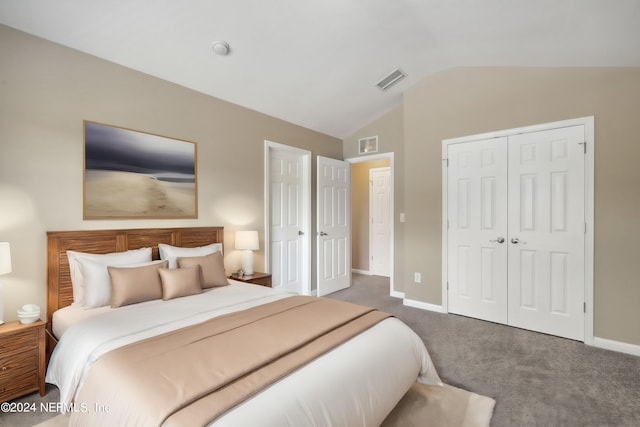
(361, 187)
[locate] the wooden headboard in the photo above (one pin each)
(59, 289)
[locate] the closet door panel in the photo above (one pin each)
(477, 198)
(546, 231)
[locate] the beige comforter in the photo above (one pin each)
(194, 375)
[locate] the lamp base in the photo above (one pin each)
(247, 262)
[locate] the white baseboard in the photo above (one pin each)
(365, 272)
(619, 346)
(423, 305)
(397, 294)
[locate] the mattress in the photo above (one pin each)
(357, 383)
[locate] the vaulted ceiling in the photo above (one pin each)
(316, 63)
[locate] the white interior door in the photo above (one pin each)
(333, 225)
(477, 197)
(547, 231)
(289, 223)
(380, 221)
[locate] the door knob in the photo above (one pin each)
(322, 233)
(300, 233)
(499, 240)
(515, 241)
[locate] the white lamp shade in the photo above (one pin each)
(5, 258)
(247, 240)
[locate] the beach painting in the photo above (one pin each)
(136, 175)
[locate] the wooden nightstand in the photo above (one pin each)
(22, 359)
(262, 279)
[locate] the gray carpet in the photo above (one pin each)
(32, 415)
(536, 379)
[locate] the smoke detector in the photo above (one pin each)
(220, 47)
(391, 79)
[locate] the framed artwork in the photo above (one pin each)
(136, 175)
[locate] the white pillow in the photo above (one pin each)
(97, 282)
(171, 253)
(135, 256)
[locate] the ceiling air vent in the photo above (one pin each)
(392, 78)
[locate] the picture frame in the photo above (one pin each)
(129, 174)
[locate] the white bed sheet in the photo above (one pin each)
(357, 383)
(66, 317)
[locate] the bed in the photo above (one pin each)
(356, 380)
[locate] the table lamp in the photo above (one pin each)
(5, 267)
(247, 241)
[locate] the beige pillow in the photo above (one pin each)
(212, 268)
(130, 285)
(180, 282)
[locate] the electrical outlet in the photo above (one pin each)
(417, 277)
(402, 217)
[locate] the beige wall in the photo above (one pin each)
(390, 131)
(46, 91)
(360, 212)
(467, 101)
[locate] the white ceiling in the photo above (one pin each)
(316, 62)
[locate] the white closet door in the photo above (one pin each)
(547, 231)
(477, 245)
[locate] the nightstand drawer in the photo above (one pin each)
(20, 341)
(16, 365)
(19, 385)
(263, 281)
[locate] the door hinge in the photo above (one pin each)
(584, 146)
(584, 307)
(585, 228)
(447, 286)
(446, 159)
